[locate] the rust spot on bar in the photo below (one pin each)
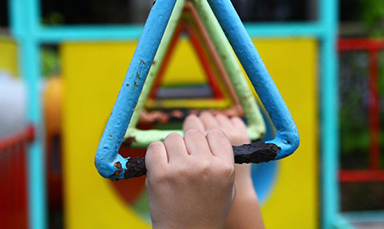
(128, 141)
(135, 168)
(118, 171)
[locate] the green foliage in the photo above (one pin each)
(373, 16)
(50, 62)
(54, 18)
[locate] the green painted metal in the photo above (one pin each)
(160, 54)
(256, 126)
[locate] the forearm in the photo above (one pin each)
(245, 213)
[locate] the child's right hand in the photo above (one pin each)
(190, 181)
(245, 212)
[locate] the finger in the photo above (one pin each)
(238, 123)
(196, 143)
(220, 145)
(156, 157)
(175, 146)
(208, 121)
(192, 122)
(224, 122)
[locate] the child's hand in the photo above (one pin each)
(245, 212)
(190, 181)
(236, 132)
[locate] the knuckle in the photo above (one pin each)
(216, 133)
(191, 117)
(203, 167)
(193, 133)
(172, 137)
(160, 177)
(155, 146)
(226, 170)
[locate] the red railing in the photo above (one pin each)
(13, 182)
(373, 48)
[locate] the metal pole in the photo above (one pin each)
(329, 113)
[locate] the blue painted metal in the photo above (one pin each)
(325, 29)
(340, 222)
(287, 136)
(49, 34)
(141, 62)
(329, 113)
(24, 21)
(304, 29)
(57, 34)
(365, 216)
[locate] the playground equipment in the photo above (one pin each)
(13, 207)
(89, 100)
(111, 165)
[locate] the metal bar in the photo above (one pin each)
(26, 135)
(205, 64)
(165, 61)
(58, 34)
(361, 175)
(107, 153)
(303, 29)
(340, 222)
(287, 136)
(365, 216)
(13, 181)
(256, 126)
(360, 44)
(374, 112)
(25, 19)
(329, 113)
(161, 54)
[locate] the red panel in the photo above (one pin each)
(373, 47)
(360, 175)
(360, 44)
(374, 113)
(13, 197)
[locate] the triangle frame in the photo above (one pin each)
(207, 53)
(256, 127)
(112, 165)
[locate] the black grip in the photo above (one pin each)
(255, 152)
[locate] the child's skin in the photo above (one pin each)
(191, 181)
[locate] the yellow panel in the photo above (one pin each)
(93, 74)
(184, 67)
(8, 55)
(293, 202)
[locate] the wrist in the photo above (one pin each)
(178, 226)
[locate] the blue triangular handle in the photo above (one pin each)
(112, 165)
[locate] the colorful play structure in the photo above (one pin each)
(300, 191)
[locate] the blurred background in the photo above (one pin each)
(325, 56)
